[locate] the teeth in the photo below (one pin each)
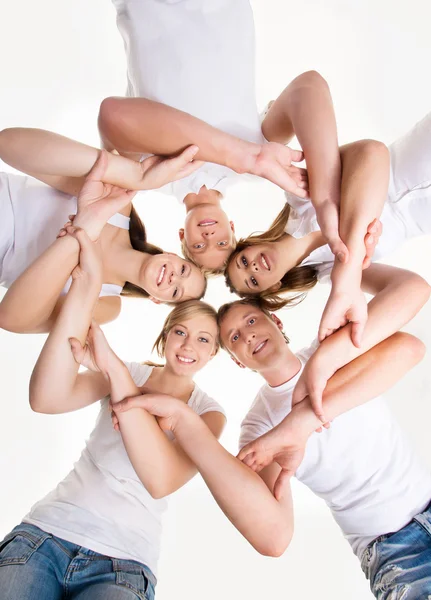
(265, 264)
(185, 359)
(207, 224)
(259, 347)
(162, 273)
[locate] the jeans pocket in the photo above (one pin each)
(18, 547)
(132, 576)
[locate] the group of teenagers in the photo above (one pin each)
(72, 242)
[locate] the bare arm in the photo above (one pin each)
(61, 162)
(55, 385)
(398, 297)
(305, 109)
(364, 188)
(138, 125)
(161, 464)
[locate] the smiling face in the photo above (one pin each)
(191, 344)
(252, 338)
(169, 278)
(256, 268)
(209, 235)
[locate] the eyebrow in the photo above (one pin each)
(243, 319)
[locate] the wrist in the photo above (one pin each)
(303, 422)
(185, 421)
(243, 157)
(115, 368)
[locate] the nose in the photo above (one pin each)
(251, 336)
(172, 277)
(254, 267)
(207, 234)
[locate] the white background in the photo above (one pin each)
(59, 60)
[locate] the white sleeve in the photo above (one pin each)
(253, 426)
(302, 218)
(138, 371)
(305, 354)
(204, 404)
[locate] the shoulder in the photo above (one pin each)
(202, 403)
(139, 372)
(306, 353)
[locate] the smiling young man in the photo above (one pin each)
(191, 79)
(376, 488)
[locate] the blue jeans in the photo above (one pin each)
(398, 565)
(35, 565)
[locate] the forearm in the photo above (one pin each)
(363, 379)
(305, 109)
(42, 281)
(38, 152)
(144, 126)
(399, 296)
(364, 189)
(241, 494)
(54, 375)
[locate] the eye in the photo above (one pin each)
(198, 246)
(204, 340)
(222, 243)
(179, 332)
(254, 281)
(183, 268)
(175, 294)
(235, 337)
(251, 321)
(244, 261)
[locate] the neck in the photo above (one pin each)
(282, 370)
(165, 381)
(204, 196)
(293, 251)
(123, 263)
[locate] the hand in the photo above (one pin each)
(328, 217)
(274, 162)
(374, 231)
(96, 355)
(281, 445)
(158, 171)
(90, 256)
(99, 201)
(312, 384)
(167, 409)
(344, 307)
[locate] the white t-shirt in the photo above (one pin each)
(197, 56)
(363, 466)
(406, 213)
(102, 504)
(31, 215)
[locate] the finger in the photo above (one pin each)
(281, 486)
(249, 460)
(316, 403)
(243, 452)
(81, 236)
(77, 349)
(318, 430)
(71, 217)
(339, 249)
(357, 332)
(327, 425)
(61, 233)
(99, 167)
(297, 155)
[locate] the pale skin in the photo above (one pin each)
(97, 202)
(364, 187)
(160, 463)
(304, 108)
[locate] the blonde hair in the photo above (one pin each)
(296, 282)
(205, 271)
(182, 312)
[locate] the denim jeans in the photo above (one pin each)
(398, 565)
(35, 565)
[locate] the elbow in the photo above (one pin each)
(372, 151)
(156, 489)
(275, 544)
(418, 289)
(412, 348)
(110, 115)
(39, 399)
(311, 80)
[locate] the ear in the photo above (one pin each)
(275, 287)
(155, 300)
(181, 234)
(232, 226)
(277, 321)
(236, 361)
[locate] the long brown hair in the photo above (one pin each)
(138, 240)
(182, 312)
(296, 282)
